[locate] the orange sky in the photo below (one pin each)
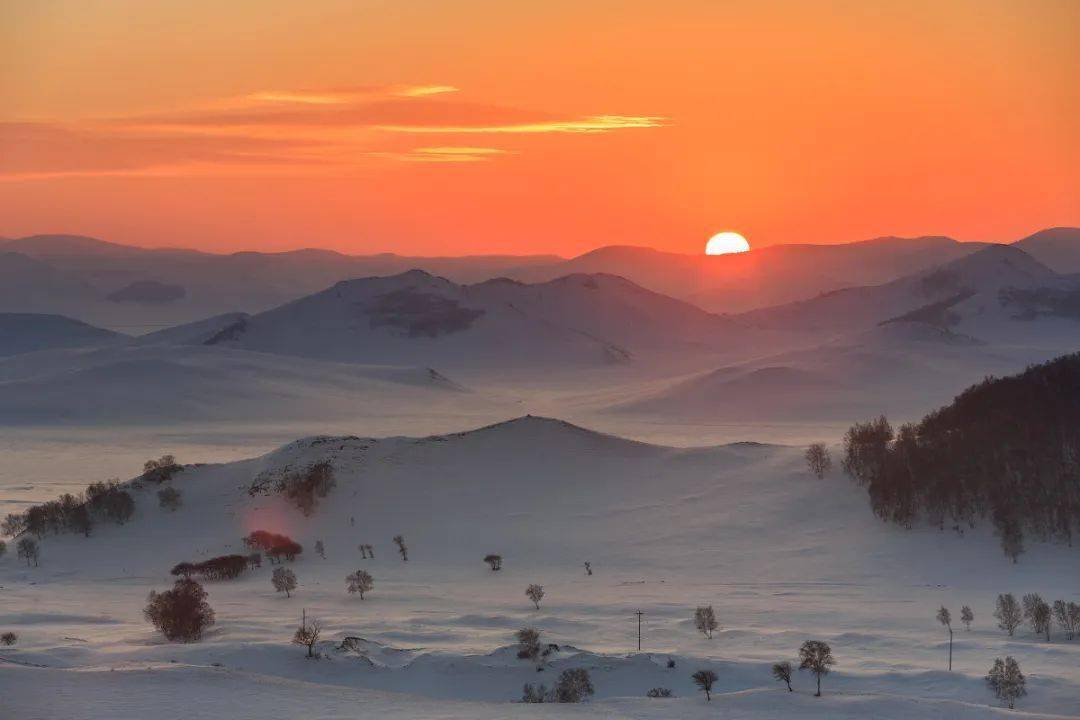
(456, 126)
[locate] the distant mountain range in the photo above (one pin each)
(138, 290)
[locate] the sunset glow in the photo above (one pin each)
(371, 128)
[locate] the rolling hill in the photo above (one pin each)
(30, 332)
(496, 326)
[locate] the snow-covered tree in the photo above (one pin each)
(1006, 680)
(359, 582)
(705, 620)
(1008, 613)
(1067, 615)
(284, 580)
(1037, 613)
(705, 679)
(782, 671)
(816, 656)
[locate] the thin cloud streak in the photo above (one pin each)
(590, 125)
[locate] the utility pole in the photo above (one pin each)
(639, 614)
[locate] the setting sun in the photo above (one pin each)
(726, 242)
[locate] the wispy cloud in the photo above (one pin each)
(448, 154)
(588, 125)
(271, 131)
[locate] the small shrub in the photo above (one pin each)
(659, 692)
(169, 498)
(9, 639)
(181, 613)
(528, 644)
(531, 694)
(573, 686)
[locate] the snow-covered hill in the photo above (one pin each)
(166, 384)
(29, 332)
(499, 326)
(781, 555)
(966, 296)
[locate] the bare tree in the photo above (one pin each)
(495, 561)
(27, 549)
(1067, 615)
(945, 618)
(705, 620)
(573, 686)
(284, 580)
(782, 671)
(818, 460)
(588, 568)
(308, 634)
(363, 551)
(360, 582)
(705, 679)
(535, 593)
(370, 551)
(967, 617)
(169, 498)
(320, 549)
(1008, 613)
(816, 656)
(1006, 680)
(9, 638)
(532, 694)
(1037, 613)
(400, 542)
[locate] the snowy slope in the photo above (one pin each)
(963, 296)
(903, 369)
(29, 332)
(495, 326)
(782, 556)
(176, 383)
